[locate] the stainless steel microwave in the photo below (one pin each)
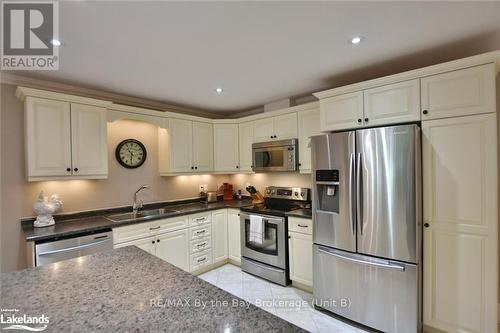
(275, 156)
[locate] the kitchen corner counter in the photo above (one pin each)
(129, 290)
(305, 213)
(78, 223)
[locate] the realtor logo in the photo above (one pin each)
(27, 31)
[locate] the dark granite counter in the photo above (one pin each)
(304, 213)
(74, 224)
(129, 290)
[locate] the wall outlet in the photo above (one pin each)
(204, 188)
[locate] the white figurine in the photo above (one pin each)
(45, 208)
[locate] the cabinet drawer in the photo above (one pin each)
(131, 232)
(199, 260)
(199, 245)
(301, 225)
(199, 219)
(200, 232)
(167, 225)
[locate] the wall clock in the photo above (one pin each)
(131, 153)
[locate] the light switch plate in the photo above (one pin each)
(204, 188)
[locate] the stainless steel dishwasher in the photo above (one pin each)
(72, 247)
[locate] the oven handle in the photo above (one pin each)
(268, 218)
(266, 267)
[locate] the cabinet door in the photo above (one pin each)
(341, 112)
(48, 137)
(285, 126)
(393, 103)
(308, 126)
(460, 234)
(300, 257)
(263, 130)
(146, 244)
(89, 144)
(203, 153)
(234, 237)
(173, 247)
(226, 147)
(245, 132)
(459, 93)
(181, 145)
(219, 235)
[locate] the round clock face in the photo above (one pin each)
(131, 153)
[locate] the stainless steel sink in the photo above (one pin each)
(141, 215)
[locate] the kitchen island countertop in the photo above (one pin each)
(129, 290)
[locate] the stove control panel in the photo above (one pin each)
(290, 193)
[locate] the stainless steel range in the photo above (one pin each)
(264, 230)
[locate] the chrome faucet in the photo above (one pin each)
(138, 204)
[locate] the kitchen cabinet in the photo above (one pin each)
(309, 125)
(185, 146)
(280, 127)
(392, 103)
(173, 247)
(234, 236)
(300, 246)
(341, 112)
(245, 132)
(219, 235)
(65, 140)
(459, 93)
(147, 244)
(226, 152)
(460, 251)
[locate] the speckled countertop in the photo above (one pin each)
(74, 224)
(114, 291)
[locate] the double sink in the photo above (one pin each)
(153, 213)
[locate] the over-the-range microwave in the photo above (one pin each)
(275, 156)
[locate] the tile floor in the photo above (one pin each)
(289, 303)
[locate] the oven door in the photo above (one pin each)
(280, 158)
(272, 251)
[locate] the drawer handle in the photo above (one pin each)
(155, 228)
(303, 226)
(200, 219)
(200, 232)
(202, 244)
(202, 259)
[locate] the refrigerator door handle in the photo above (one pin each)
(388, 265)
(359, 193)
(352, 211)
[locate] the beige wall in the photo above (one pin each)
(261, 180)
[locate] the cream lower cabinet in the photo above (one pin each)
(300, 245)
(234, 237)
(65, 140)
(460, 278)
(219, 235)
(173, 247)
(226, 150)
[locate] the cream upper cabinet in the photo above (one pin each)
(89, 140)
(341, 112)
(219, 235)
(226, 142)
(245, 133)
(203, 152)
(460, 224)
(280, 127)
(65, 140)
(181, 145)
(173, 247)
(463, 92)
(309, 125)
(234, 237)
(393, 103)
(48, 137)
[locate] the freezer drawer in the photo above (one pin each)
(378, 293)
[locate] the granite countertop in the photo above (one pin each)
(304, 213)
(129, 290)
(74, 224)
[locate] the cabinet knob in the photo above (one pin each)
(196, 168)
(68, 169)
(300, 164)
(75, 169)
(152, 242)
(366, 119)
(237, 167)
(158, 240)
(271, 136)
(425, 112)
(426, 225)
(359, 120)
(192, 168)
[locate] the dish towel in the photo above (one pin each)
(256, 229)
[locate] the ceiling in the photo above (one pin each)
(258, 52)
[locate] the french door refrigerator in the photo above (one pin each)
(367, 226)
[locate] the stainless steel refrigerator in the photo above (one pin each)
(367, 226)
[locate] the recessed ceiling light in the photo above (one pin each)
(356, 40)
(55, 42)
(219, 90)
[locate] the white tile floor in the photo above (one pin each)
(289, 303)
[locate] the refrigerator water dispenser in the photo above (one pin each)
(327, 182)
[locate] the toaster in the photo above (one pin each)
(211, 196)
